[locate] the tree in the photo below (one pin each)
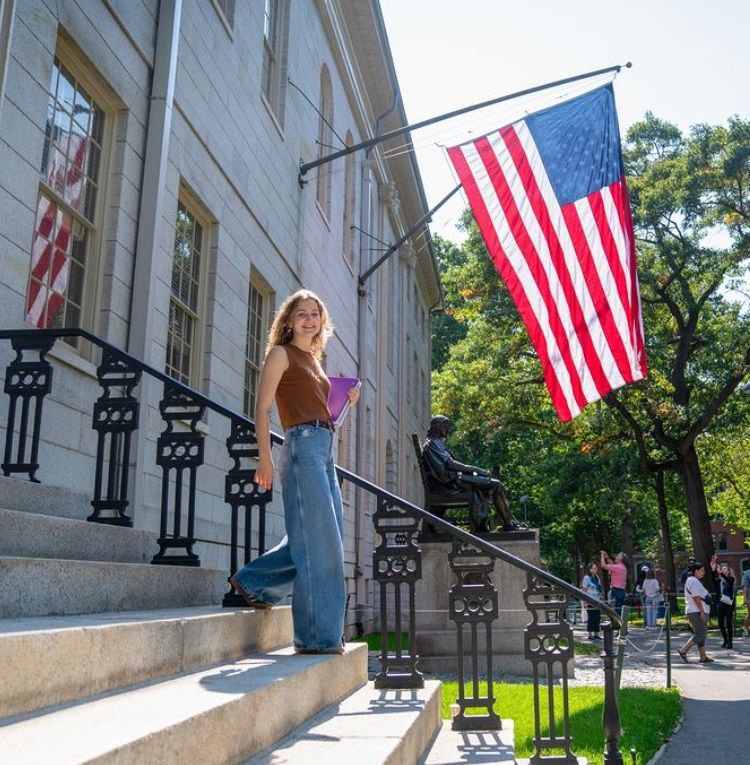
(691, 204)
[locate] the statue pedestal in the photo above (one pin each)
(436, 633)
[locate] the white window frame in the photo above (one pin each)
(255, 346)
(69, 57)
(275, 53)
(188, 201)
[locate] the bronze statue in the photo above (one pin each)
(453, 477)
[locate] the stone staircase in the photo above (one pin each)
(107, 658)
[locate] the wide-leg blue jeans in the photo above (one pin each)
(309, 562)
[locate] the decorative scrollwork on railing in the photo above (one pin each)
(178, 453)
(548, 640)
(397, 566)
(473, 606)
(115, 419)
(27, 383)
(241, 492)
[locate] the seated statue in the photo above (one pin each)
(454, 477)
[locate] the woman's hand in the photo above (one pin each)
(264, 474)
(353, 395)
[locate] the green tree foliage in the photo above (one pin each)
(587, 481)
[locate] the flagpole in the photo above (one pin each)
(305, 166)
(424, 219)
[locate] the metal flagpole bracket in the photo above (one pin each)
(305, 166)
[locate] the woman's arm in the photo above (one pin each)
(277, 362)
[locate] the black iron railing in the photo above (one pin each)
(397, 558)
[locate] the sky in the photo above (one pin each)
(691, 64)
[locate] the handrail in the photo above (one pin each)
(436, 521)
(200, 398)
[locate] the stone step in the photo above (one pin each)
(24, 534)
(53, 659)
(368, 727)
(453, 746)
(42, 586)
(215, 716)
(17, 494)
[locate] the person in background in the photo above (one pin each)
(745, 586)
(592, 585)
(652, 594)
(696, 610)
(618, 577)
(725, 600)
(638, 596)
(309, 562)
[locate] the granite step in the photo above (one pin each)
(25, 534)
(216, 716)
(43, 586)
(369, 727)
(50, 660)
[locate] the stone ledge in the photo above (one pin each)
(51, 660)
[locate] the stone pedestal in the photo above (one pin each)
(436, 633)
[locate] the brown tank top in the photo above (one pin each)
(302, 394)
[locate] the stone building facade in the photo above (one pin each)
(150, 193)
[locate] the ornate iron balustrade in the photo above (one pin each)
(397, 564)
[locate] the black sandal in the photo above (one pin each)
(683, 657)
(249, 599)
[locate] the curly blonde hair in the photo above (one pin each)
(281, 332)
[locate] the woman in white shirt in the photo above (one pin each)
(696, 610)
(651, 591)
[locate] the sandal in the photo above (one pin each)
(707, 660)
(683, 657)
(249, 599)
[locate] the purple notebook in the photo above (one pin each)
(338, 396)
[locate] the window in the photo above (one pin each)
(62, 272)
(350, 191)
(325, 141)
(258, 311)
(185, 300)
(720, 541)
(275, 33)
(226, 10)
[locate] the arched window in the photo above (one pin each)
(325, 141)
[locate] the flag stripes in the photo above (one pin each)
(570, 270)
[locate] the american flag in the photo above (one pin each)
(548, 194)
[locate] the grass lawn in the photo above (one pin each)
(648, 716)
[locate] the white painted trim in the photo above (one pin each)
(7, 12)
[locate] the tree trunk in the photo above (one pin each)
(697, 508)
(666, 537)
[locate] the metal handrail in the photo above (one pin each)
(396, 561)
(392, 499)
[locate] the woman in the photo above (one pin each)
(618, 578)
(696, 610)
(592, 585)
(725, 601)
(652, 594)
(309, 561)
